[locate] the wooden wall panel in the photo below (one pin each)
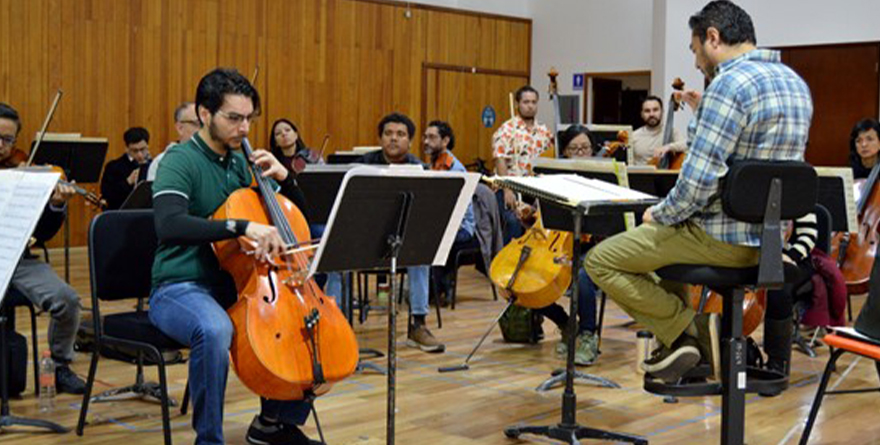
(332, 66)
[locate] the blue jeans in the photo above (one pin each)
(195, 315)
(511, 226)
(418, 288)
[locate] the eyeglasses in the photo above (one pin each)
(190, 122)
(236, 118)
(581, 149)
(7, 140)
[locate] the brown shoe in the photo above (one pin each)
(420, 337)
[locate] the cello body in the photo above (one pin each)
(275, 352)
(855, 252)
(754, 305)
(535, 267)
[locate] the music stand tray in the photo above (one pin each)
(139, 198)
(390, 218)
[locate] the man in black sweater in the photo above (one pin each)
(121, 174)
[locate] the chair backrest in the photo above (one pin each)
(868, 321)
(122, 245)
(767, 192)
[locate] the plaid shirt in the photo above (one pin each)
(755, 108)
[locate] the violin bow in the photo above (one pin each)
(42, 132)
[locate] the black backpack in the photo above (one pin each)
(16, 362)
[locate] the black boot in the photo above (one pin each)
(777, 344)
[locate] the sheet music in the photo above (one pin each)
(849, 190)
(23, 195)
(573, 189)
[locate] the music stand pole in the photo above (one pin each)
(568, 429)
(6, 419)
(395, 241)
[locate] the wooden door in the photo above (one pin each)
(606, 100)
(844, 82)
(460, 96)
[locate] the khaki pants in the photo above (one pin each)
(622, 265)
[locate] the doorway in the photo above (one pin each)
(615, 98)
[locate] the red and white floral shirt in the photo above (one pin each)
(518, 145)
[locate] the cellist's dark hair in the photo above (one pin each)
(445, 131)
(650, 98)
(860, 127)
(214, 87)
(523, 90)
(7, 112)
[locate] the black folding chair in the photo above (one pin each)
(122, 245)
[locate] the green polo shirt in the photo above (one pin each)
(206, 179)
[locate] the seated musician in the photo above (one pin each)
(578, 142)
(515, 145)
(732, 124)
(439, 141)
(190, 291)
(35, 279)
(121, 174)
(395, 136)
(186, 124)
(647, 141)
(864, 145)
(287, 144)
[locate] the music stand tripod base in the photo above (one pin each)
(559, 375)
(572, 434)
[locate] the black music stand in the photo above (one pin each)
(82, 161)
(344, 158)
(568, 429)
(320, 185)
(139, 198)
(384, 220)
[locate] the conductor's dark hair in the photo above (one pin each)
(732, 22)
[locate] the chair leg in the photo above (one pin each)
(163, 387)
(35, 352)
(733, 366)
(90, 381)
(820, 393)
(849, 306)
(184, 406)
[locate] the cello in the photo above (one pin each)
(291, 342)
(671, 160)
(535, 268)
(855, 254)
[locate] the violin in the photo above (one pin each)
(754, 305)
(671, 160)
(305, 157)
(291, 342)
(615, 148)
(855, 252)
(18, 159)
(535, 268)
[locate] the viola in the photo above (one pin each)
(291, 341)
(671, 160)
(754, 305)
(855, 252)
(618, 145)
(536, 267)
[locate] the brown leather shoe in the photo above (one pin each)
(420, 337)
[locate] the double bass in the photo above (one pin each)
(291, 342)
(671, 160)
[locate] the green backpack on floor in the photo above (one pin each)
(521, 325)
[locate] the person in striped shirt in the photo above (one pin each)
(754, 108)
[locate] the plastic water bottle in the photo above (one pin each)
(47, 383)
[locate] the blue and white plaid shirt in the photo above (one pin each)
(755, 108)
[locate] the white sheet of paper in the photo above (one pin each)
(23, 195)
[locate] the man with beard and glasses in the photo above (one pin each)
(190, 291)
(733, 122)
(647, 141)
(515, 145)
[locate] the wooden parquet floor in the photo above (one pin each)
(474, 406)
